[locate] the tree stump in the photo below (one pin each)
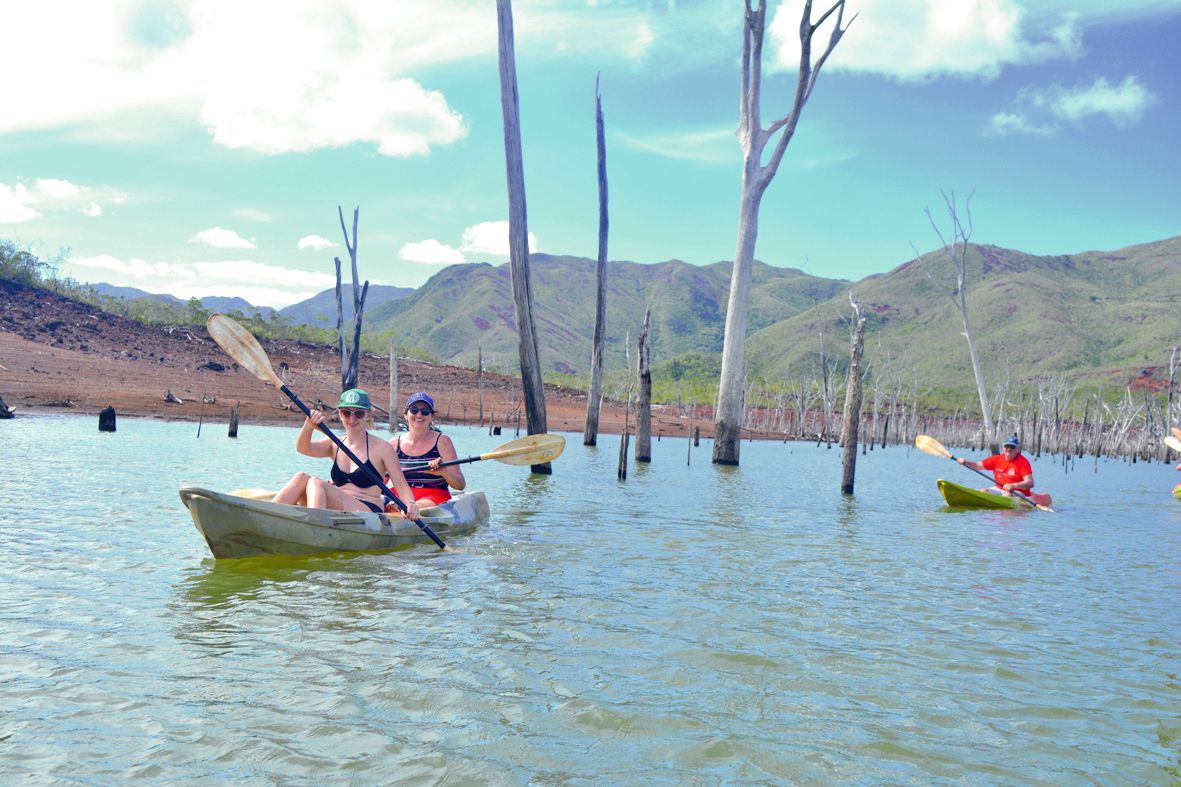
(106, 419)
(234, 419)
(5, 410)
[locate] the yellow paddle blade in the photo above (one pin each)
(929, 445)
(254, 493)
(241, 345)
(534, 449)
(1173, 442)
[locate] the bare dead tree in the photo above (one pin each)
(852, 415)
(594, 393)
(532, 386)
(644, 398)
(957, 252)
(756, 176)
(349, 362)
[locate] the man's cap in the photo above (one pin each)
(355, 397)
(1012, 440)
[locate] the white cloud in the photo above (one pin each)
(1043, 110)
(431, 252)
(278, 76)
(715, 146)
(20, 203)
(1016, 123)
(1123, 104)
(316, 242)
(258, 283)
(134, 269)
(491, 237)
(921, 39)
(255, 215)
(16, 204)
(220, 238)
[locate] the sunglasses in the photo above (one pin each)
(352, 413)
(419, 410)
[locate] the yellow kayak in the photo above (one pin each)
(964, 497)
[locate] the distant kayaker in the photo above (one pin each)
(1011, 470)
(349, 490)
(420, 443)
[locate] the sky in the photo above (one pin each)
(202, 147)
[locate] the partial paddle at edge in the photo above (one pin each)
(241, 345)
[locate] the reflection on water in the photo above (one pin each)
(697, 624)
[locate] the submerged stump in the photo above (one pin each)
(106, 419)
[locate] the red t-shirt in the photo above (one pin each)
(1006, 472)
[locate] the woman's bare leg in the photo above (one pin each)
(322, 494)
(293, 491)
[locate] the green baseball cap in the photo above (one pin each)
(355, 397)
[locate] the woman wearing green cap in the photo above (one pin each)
(352, 488)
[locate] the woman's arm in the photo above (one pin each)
(387, 462)
(452, 475)
(304, 442)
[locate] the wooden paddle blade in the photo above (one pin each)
(929, 445)
(241, 345)
(534, 449)
(1173, 442)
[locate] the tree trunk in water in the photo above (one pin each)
(350, 363)
(480, 361)
(234, 414)
(594, 394)
(978, 372)
(852, 409)
(532, 386)
(394, 409)
(757, 172)
(344, 359)
(728, 418)
(644, 400)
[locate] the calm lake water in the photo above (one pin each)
(693, 624)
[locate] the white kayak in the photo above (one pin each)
(236, 525)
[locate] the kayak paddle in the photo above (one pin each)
(241, 345)
(534, 449)
(1173, 442)
(1176, 432)
(929, 445)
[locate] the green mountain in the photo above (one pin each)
(466, 307)
(319, 311)
(1100, 319)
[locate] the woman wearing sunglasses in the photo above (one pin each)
(352, 488)
(422, 444)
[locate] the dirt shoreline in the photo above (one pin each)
(62, 356)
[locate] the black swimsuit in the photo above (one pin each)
(358, 478)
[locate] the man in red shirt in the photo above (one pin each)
(1011, 471)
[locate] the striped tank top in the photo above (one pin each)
(421, 478)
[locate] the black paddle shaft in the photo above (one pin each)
(418, 464)
(373, 476)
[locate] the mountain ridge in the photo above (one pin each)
(1093, 317)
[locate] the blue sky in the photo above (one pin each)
(201, 148)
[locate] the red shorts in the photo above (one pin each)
(430, 494)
